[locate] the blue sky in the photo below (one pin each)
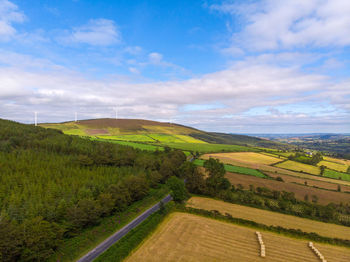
(233, 66)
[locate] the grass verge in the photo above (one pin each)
(122, 249)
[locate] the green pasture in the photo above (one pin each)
(335, 174)
(133, 138)
(210, 148)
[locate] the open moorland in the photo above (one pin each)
(324, 196)
(271, 218)
(187, 237)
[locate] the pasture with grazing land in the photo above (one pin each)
(271, 218)
(296, 166)
(187, 237)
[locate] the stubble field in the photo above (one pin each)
(271, 218)
(187, 237)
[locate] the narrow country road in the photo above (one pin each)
(122, 232)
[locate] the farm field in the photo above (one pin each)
(165, 138)
(333, 165)
(187, 237)
(324, 196)
(336, 160)
(277, 170)
(336, 175)
(296, 166)
(237, 169)
(248, 157)
(271, 218)
(205, 148)
(133, 138)
(310, 182)
(133, 144)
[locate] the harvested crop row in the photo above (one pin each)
(187, 237)
(271, 218)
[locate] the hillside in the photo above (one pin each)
(147, 131)
(110, 126)
(54, 187)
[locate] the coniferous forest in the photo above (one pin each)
(52, 186)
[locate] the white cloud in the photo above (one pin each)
(155, 58)
(97, 32)
(244, 86)
(9, 14)
(274, 24)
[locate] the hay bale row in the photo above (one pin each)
(317, 252)
(262, 245)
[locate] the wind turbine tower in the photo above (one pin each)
(116, 112)
(36, 118)
(76, 117)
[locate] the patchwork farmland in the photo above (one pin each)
(187, 237)
(271, 218)
(224, 157)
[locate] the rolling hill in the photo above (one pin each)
(147, 131)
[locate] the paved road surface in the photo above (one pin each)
(122, 232)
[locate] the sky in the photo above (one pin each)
(266, 66)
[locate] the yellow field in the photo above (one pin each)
(296, 166)
(187, 237)
(271, 218)
(333, 165)
(340, 161)
(247, 157)
(189, 139)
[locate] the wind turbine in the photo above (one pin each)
(116, 112)
(36, 118)
(76, 117)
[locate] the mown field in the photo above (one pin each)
(336, 175)
(296, 166)
(236, 169)
(336, 160)
(333, 165)
(247, 157)
(271, 218)
(324, 196)
(187, 237)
